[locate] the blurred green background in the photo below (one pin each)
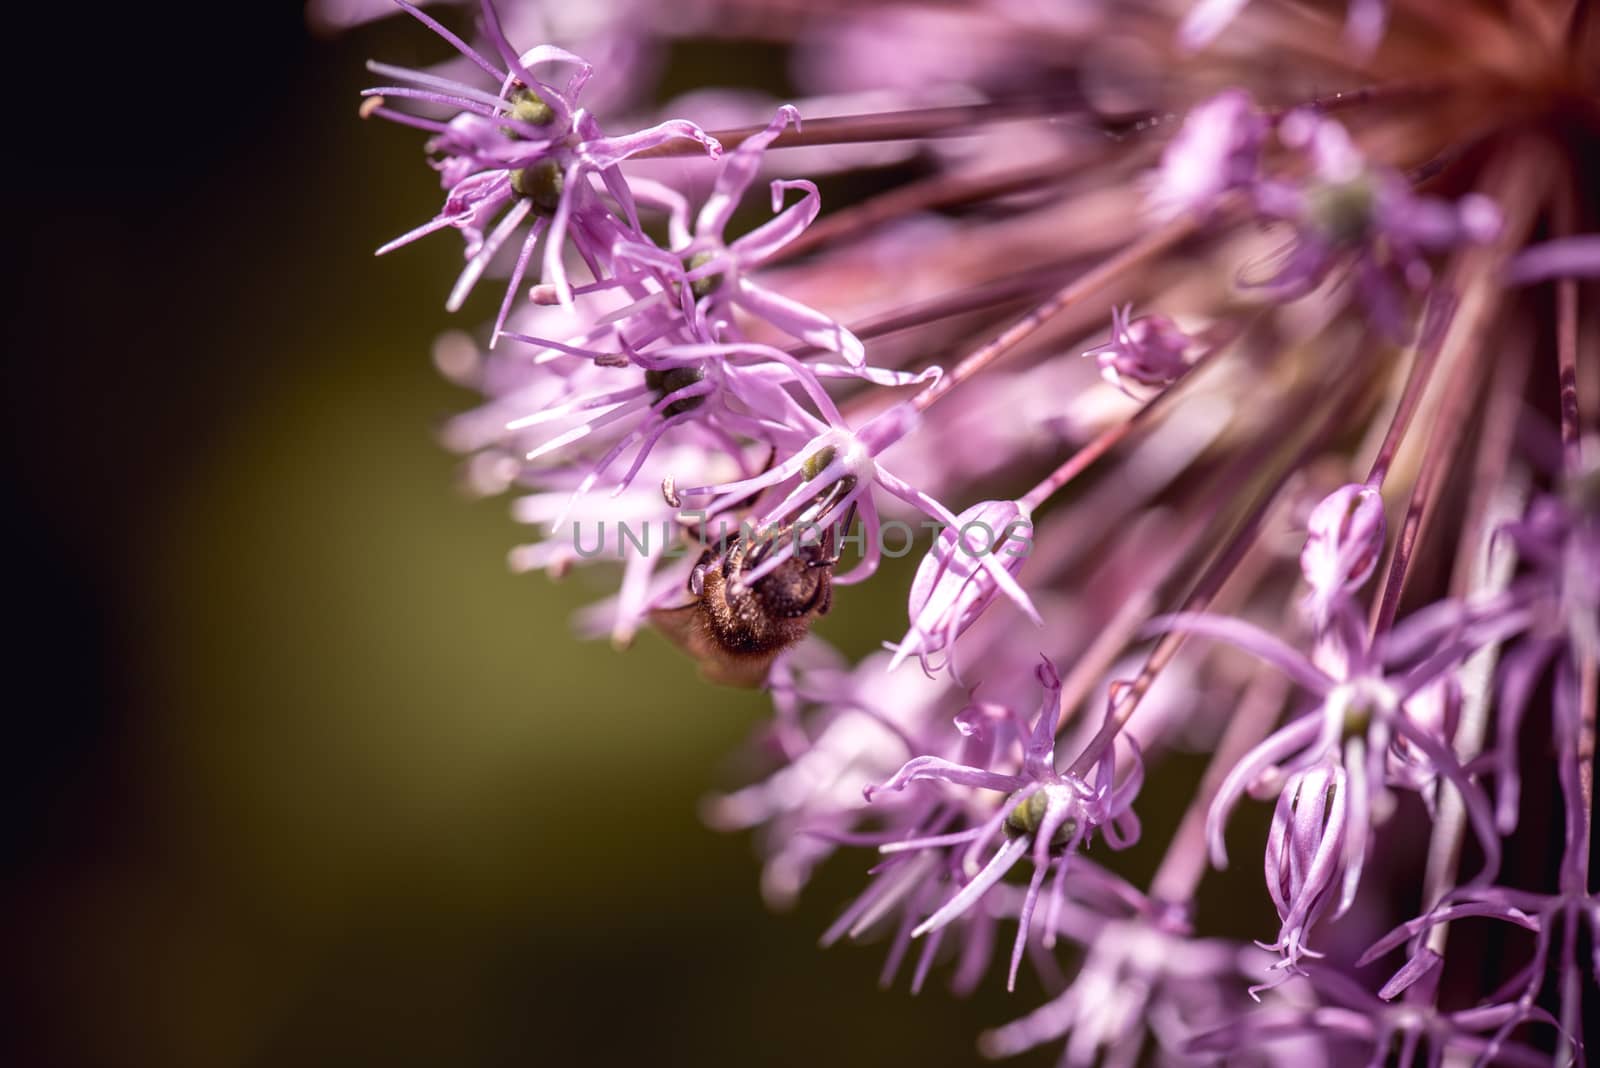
(300, 774)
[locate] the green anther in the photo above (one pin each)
(1027, 817)
(527, 106)
(817, 462)
(541, 183)
(701, 287)
(1343, 210)
(666, 382)
(1357, 717)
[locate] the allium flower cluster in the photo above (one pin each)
(1322, 508)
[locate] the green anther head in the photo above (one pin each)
(541, 183)
(701, 287)
(1025, 819)
(666, 382)
(1357, 718)
(527, 106)
(1343, 210)
(817, 462)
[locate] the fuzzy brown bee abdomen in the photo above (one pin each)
(735, 631)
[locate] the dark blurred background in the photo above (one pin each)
(298, 773)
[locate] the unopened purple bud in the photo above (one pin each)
(1149, 350)
(1345, 536)
(1305, 853)
(969, 566)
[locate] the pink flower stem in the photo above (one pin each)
(1484, 567)
(1461, 349)
(1425, 357)
(1139, 252)
(910, 125)
(940, 191)
(1575, 865)
(1109, 438)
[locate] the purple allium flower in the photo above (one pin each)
(1558, 537)
(1046, 815)
(838, 730)
(1516, 1002)
(1557, 607)
(1329, 769)
(1005, 174)
(712, 274)
(525, 154)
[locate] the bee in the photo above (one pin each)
(734, 629)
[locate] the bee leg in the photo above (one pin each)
(733, 560)
(830, 547)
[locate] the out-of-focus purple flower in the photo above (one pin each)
(1560, 537)
(1047, 816)
(1367, 218)
(1144, 975)
(988, 45)
(1216, 150)
(1351, 1019)
(1558, 604)
(837, 731)
(1150, 351)
(1344, 539)
(1516, 1002)
(958, 578)
(1207, 19)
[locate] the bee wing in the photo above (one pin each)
(747, 671)
(685, 627)
(680, 625)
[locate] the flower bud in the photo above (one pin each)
(1344, 537)
(967, 568)
(1149, 350)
